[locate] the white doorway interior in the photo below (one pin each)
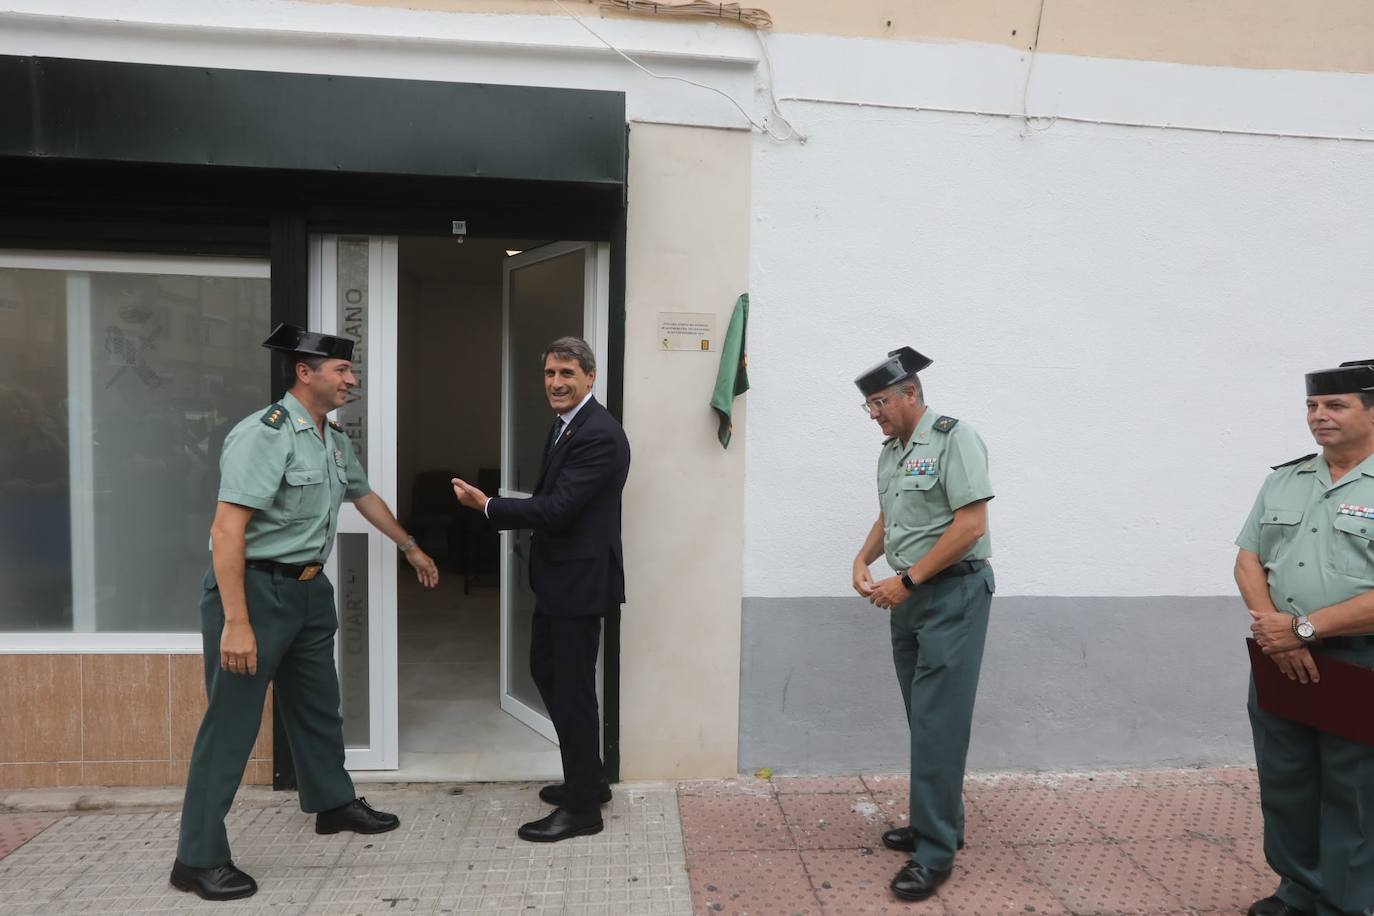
(468, 394)
(435, 683)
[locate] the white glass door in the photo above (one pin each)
(353, 294)
(549, 292)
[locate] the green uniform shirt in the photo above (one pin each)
(1315, 539)
(293, 479)
(944, 467)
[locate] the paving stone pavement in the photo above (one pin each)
(455, 853)
(1125, 842)
(1160, 842)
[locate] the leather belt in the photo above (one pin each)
(304, 572)
(1347, 642)
(962, 568)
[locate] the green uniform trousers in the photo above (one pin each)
(1317, 797)
(294, 623)
(937, 646)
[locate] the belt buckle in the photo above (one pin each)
(310, 571)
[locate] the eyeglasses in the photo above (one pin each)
(874, 405)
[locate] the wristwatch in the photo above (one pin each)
(1303, 629)
(906, 580)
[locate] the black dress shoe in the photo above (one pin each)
(917, 882)
(1273, 906)
(357, 816)
(553, 794)
(903, 839)
(223, 882)
(561, 825)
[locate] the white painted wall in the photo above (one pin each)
(1123, 313)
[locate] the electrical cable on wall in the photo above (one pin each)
(732, 12)
(1026, 117)
(761, 127)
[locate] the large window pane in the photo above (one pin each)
(520, 683)
(35, 510)
(546, 302)
(128, 381)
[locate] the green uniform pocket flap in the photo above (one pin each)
(919, 481)
(1281, 517)
(1359, 527)
(300, 477)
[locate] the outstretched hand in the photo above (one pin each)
(425, 569)
(469, 495)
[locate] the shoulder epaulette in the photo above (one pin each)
(945, 424)
(1287, 464)
(334, 424)
(275, 416)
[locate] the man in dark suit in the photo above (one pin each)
(577, 573)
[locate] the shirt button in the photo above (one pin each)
(1290, 600)
(1314, 530)
(1300, 564)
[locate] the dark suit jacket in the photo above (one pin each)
(576, 561)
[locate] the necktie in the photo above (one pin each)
(557, 432)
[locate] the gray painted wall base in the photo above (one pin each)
(1067, 683)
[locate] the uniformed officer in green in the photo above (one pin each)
(933, 491)
(267, 611)
(1306, 572)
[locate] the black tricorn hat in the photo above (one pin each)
(292, 339)
(900, 365)
(1356, 375)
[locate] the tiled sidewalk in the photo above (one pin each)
(455, 853)
(1148, 842)
(1151, 842)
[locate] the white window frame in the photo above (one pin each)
(78, 262)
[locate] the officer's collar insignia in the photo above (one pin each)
(334, 423)
(920, 467)
(945, 424)
(274, 416)
(1287, 464)
(1357, 511)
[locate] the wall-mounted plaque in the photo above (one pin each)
(686, 331)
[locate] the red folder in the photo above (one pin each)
(1340, 703)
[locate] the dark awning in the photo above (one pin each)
(145, 113)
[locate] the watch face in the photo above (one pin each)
(1305, 630)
